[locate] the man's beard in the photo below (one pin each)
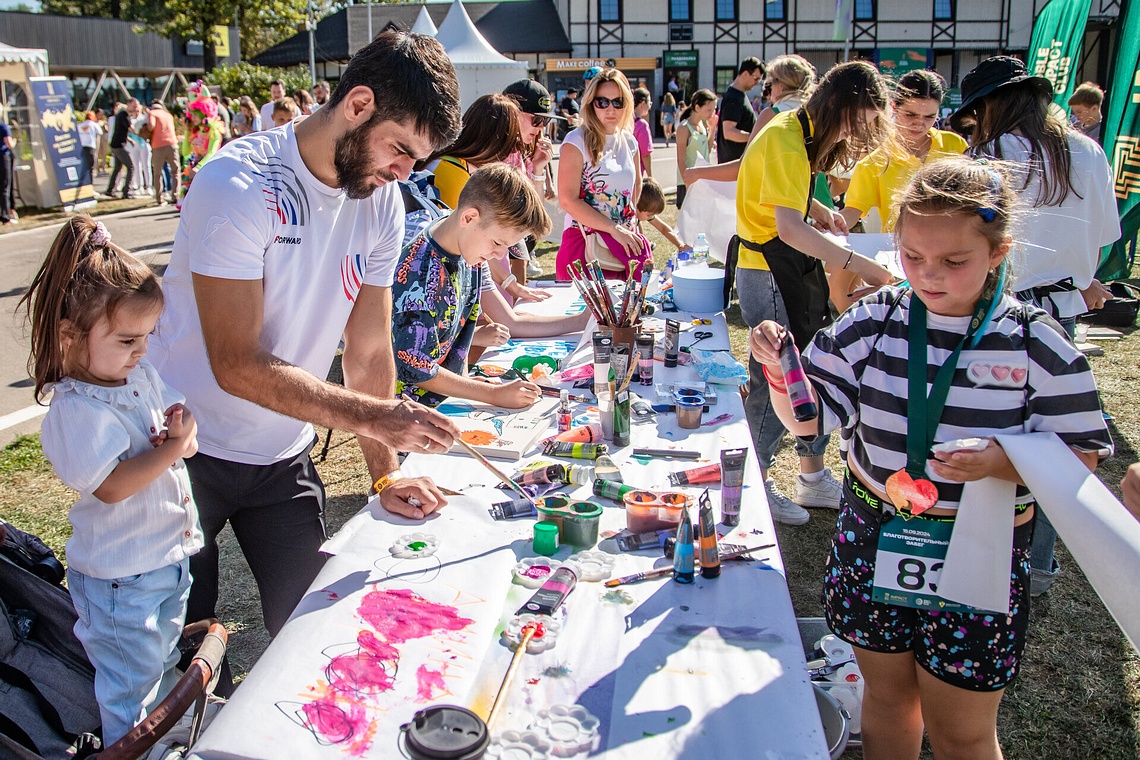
(352, 159)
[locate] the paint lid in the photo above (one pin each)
(545, 538)
(445, 732)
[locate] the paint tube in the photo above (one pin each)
(552, 593)
(799, 389)
(672, 341)
(619, 360)
(564, 411)
(603, 342)
(606, 469)
(641, 409)
(650, 540)
(706, 529)
(574, 450)
(580, 474)
(645, 362)
(709, 473)
(509, 510)
(591, 432)
(555, 473)
(684, 554)
(731, 483)
(609, 489)
(621, 419)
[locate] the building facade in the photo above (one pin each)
(699, 43)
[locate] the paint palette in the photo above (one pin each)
(570, 728)
(414, 545)
(532, 572)
(544, 638)
(519, 745)
(592, 566)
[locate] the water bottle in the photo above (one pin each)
(701, 250)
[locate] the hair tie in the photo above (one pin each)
(988, 213)
(100, 237)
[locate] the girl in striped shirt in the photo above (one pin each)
(1009, 369)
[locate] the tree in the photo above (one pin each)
(246, 79)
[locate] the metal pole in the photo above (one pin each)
(370, 20)
(312, 48)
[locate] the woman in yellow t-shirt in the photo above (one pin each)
(780, 271)
(880, 178)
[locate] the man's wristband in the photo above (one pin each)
(779, 386)
(538, 177)
(508, 281)
(386, 480)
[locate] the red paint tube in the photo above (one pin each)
(709, 473)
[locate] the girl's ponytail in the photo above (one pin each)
(83, 278)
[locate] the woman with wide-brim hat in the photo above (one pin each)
(1065, 181)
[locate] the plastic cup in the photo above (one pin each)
(690, 406)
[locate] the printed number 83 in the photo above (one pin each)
(912, 574)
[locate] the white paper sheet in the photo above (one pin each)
(710, 207)
(976, 569)
(1102, 536)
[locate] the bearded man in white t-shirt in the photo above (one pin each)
(287, 241)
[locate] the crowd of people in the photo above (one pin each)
(259, 296)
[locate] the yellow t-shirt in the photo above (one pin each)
(774, 171)
(876, 182)
(450, 178)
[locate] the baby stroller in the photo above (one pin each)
(47, 692)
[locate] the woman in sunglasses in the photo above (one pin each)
(599, 180)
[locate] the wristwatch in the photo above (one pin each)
(386, 480)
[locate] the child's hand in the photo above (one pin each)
(965, 466)
(524, 294)
(491, 335)
(181, 429)
(765, 340)
(517, 394)
(543, 153)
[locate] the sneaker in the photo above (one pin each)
(783, 509)
(825, 492)
(533, 269)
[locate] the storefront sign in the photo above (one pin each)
(897, 61)
(61, 138)
(681, 59)
(555, 65)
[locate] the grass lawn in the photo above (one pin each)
(1078, 695)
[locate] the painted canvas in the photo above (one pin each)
(499, 433)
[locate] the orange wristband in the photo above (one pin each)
(779, 386)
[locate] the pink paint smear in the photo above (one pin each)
(398, 615)
(428, 680)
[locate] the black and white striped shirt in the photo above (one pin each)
(1008, 383)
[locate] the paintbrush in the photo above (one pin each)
(500, 698)
(629, 372)
(497, 472)
(659, 572)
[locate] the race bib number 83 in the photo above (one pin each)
(908, 563)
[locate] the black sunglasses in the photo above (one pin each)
(539, 121)
(601, 103)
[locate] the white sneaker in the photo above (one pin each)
(783, 509)
(533, 269)
(825, 492)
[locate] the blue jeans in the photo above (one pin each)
(760, 300)
(130, 628)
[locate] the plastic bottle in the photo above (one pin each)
(701, 250)
(564, 415)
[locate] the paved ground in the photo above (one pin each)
(148, 232)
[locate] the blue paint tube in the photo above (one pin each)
(684, 553)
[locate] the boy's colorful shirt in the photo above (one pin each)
(435, 308)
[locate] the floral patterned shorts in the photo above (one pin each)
(979, 652)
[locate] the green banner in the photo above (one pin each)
(1055, 48)
(894, 62)
(1122, 141)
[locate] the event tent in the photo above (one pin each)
(479, 68)
(424, 24)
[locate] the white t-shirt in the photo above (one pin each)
(88, 431)
(255, 212)
(1059, 242)
(89, 132)
(267, 115)
(608, 184)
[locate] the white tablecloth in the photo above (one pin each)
(712, 669)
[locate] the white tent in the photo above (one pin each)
(35, 59)
(479, 68)
(424, 24)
